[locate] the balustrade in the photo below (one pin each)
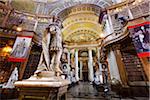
(120, 27)
(28, 20)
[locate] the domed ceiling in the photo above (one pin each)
(79, 17)
(81, 24)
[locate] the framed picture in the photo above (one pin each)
(20, 49)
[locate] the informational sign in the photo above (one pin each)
(141, 38)
(20, 49)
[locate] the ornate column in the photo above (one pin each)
(90, 66)
(76, 65)
(110, 22)
(98, 54)
(37, 12)
(68, 57)
(130, 14)
(100, 66)
(117, 65)
(113, 67)
(35, 25)
(38, 8)
(108, 29)
(81, 65)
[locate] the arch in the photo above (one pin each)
(82, 26)
(65, 5)
(82, 35)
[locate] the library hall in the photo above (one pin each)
(74, 49)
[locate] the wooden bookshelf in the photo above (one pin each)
(33, 61)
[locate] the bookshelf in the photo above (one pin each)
(33, 61)
(133, 65)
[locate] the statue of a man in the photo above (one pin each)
(52, 48)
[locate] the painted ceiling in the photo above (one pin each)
(79, 17)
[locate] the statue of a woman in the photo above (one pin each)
(52, 48)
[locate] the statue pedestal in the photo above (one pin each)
(42, 88)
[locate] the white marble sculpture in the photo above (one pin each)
(13, 78)
(52, 48)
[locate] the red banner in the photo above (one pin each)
(140, 34)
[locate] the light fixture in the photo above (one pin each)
(117, 10)
(139, 1)
(102, 35)
(19, 29)
(7, 49)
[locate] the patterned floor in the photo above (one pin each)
(86, 91)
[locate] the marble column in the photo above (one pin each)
(90, 66)
(120, 63)
(81, 66)
(100, 66)
(98, 54)
(37, 12)
(108, 29)
(68, 57)
(38, 8)
(76, 65)
(110, 22)
(113, 67)
(35, 25)
(130, 14)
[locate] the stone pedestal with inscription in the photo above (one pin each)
(44, 86)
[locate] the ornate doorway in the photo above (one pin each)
(85, 71)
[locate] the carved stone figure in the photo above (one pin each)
(52, 48)
(13, 78)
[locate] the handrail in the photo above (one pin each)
(120, 4)
(105, 42)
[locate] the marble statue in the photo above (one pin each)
(13, 78)
(47, 78)
(52, 48)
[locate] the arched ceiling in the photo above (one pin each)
(64, 4)
(81, 24)
(79, 17)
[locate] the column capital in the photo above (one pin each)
(98, 48)
(90, 48)
(76, 49)
(68, 49)
(116, 47)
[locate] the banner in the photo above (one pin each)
(141, 38)
(20, 49)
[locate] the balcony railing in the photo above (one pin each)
(130, 12)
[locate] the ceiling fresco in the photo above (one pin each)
(79, 17)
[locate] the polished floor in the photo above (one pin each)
(83, 91)
(86, 91)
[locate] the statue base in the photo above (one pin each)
(43, 86)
